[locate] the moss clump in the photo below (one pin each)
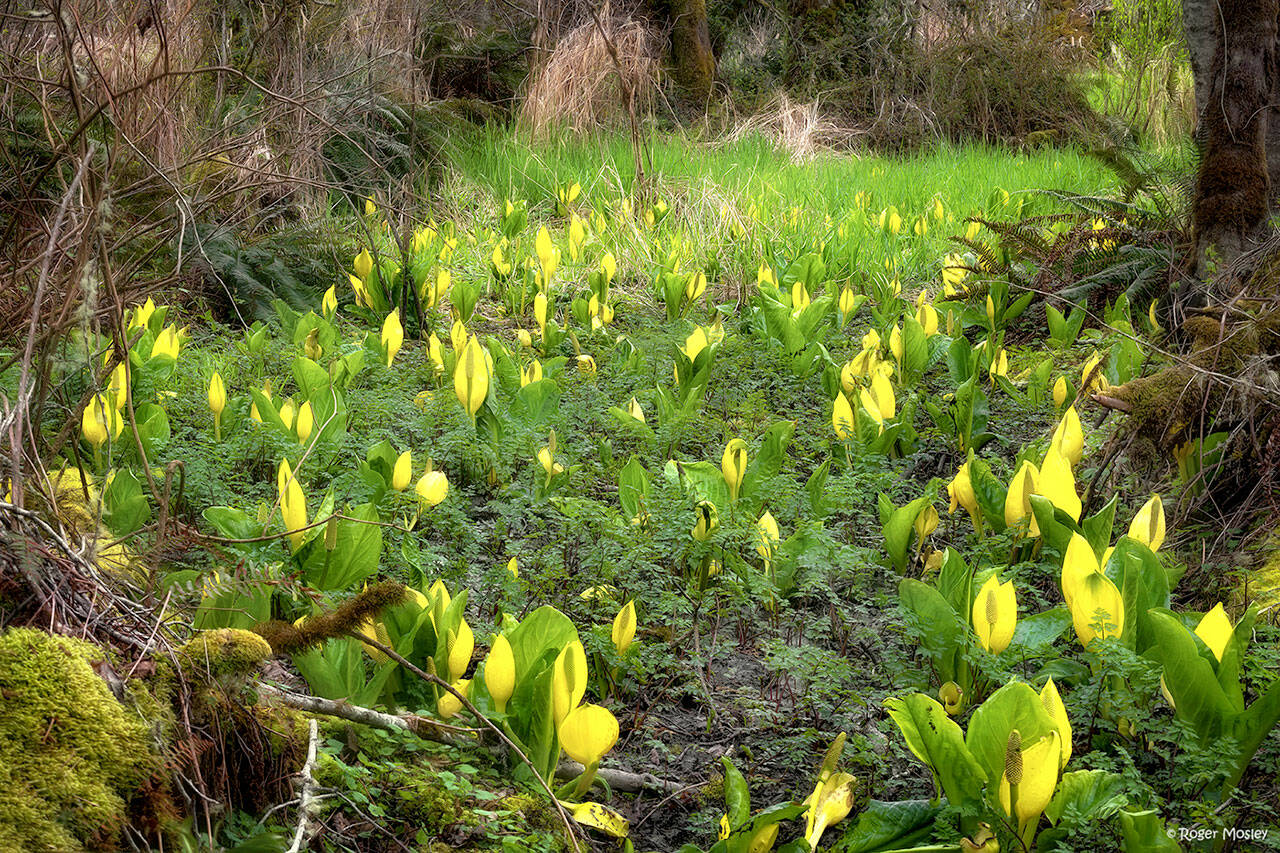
(223, 653)
(69, 752)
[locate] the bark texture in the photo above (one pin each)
(1233, 187)
(693, 63)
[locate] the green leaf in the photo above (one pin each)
(1014, 706)
(1040, 630)
(1094, 795)
(737, 798)
(1144, 832)
(1189, 677)
(768, 460)
(1097, 527)
(354, 558)
(899, 529)
(936, 739)
(943, 632)
(537, 401)
(989, 492)
(125, 504)
(544, 630)
(233, 523)
(889, 826)
(633, 488)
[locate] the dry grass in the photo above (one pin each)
(799, 129)
(578, 86)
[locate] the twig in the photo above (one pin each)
(621, 780)
(306, 799)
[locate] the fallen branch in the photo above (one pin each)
(422, 727)
(1112, 403)
(620, 780)
(306, 799)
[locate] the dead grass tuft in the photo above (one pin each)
(578, 87)
(798, 128)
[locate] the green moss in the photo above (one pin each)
(69, 752)
(223, 653)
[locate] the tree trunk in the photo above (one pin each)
(1232, 191)
(694, 63)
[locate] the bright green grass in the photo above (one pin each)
(751, 168)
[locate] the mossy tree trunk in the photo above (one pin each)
(1233, 188)
(693, 63)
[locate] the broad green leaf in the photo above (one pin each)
(1189, 677)
(899, 529)
(1144, 832)
(889, 826)
(1014, 706)
(737, 798)
(936, 739)
(1094, 795)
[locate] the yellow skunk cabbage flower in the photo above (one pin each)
(1058, 484)
(695, 286)
(361, 292)
(624, 628)
(951, 695)
(499, 262)
(879, 399)
(568, 680)
(449, 705)
(471, 377)
(995, 614)
(895, 344)
(695, 343)
(587, 733)
(1077, 563)
(830, 803)
(305, 422)
(1060, 391)
(1057, 711)
(217, 402)
(1068, 437)
(525, 339)
(960, 490)
(436, 292)
(287, 413)
(767, 536)
(608, 266)
(577, 236)
(142, 314)
(842, 418)
(99, 420)
(369, 207)
(402, 473)
(765, 275)
(953, 274)
(432, 488)
(586, 364)
(540, 308)
(311, 346)
(329, 303)
(547, 459)
(1097, 609)
(293, 503)
(532, 373)
(1030, 777)
(927, 317)
(392, 335)
(991, 312)
(1017, 501)
(999, 364)
(1215, 630)
(633, 409)
(462, 644)
(436, 353)
(800, 298)
(707, 520)
(1148, 525)
(513, 566)
(166, 343)
(1092, 378)
(848, 304)
(363, 265)
(458, 335)
(118, 386)
(1151, 317)
(734, 466)
(926, 522)
(548, 254)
